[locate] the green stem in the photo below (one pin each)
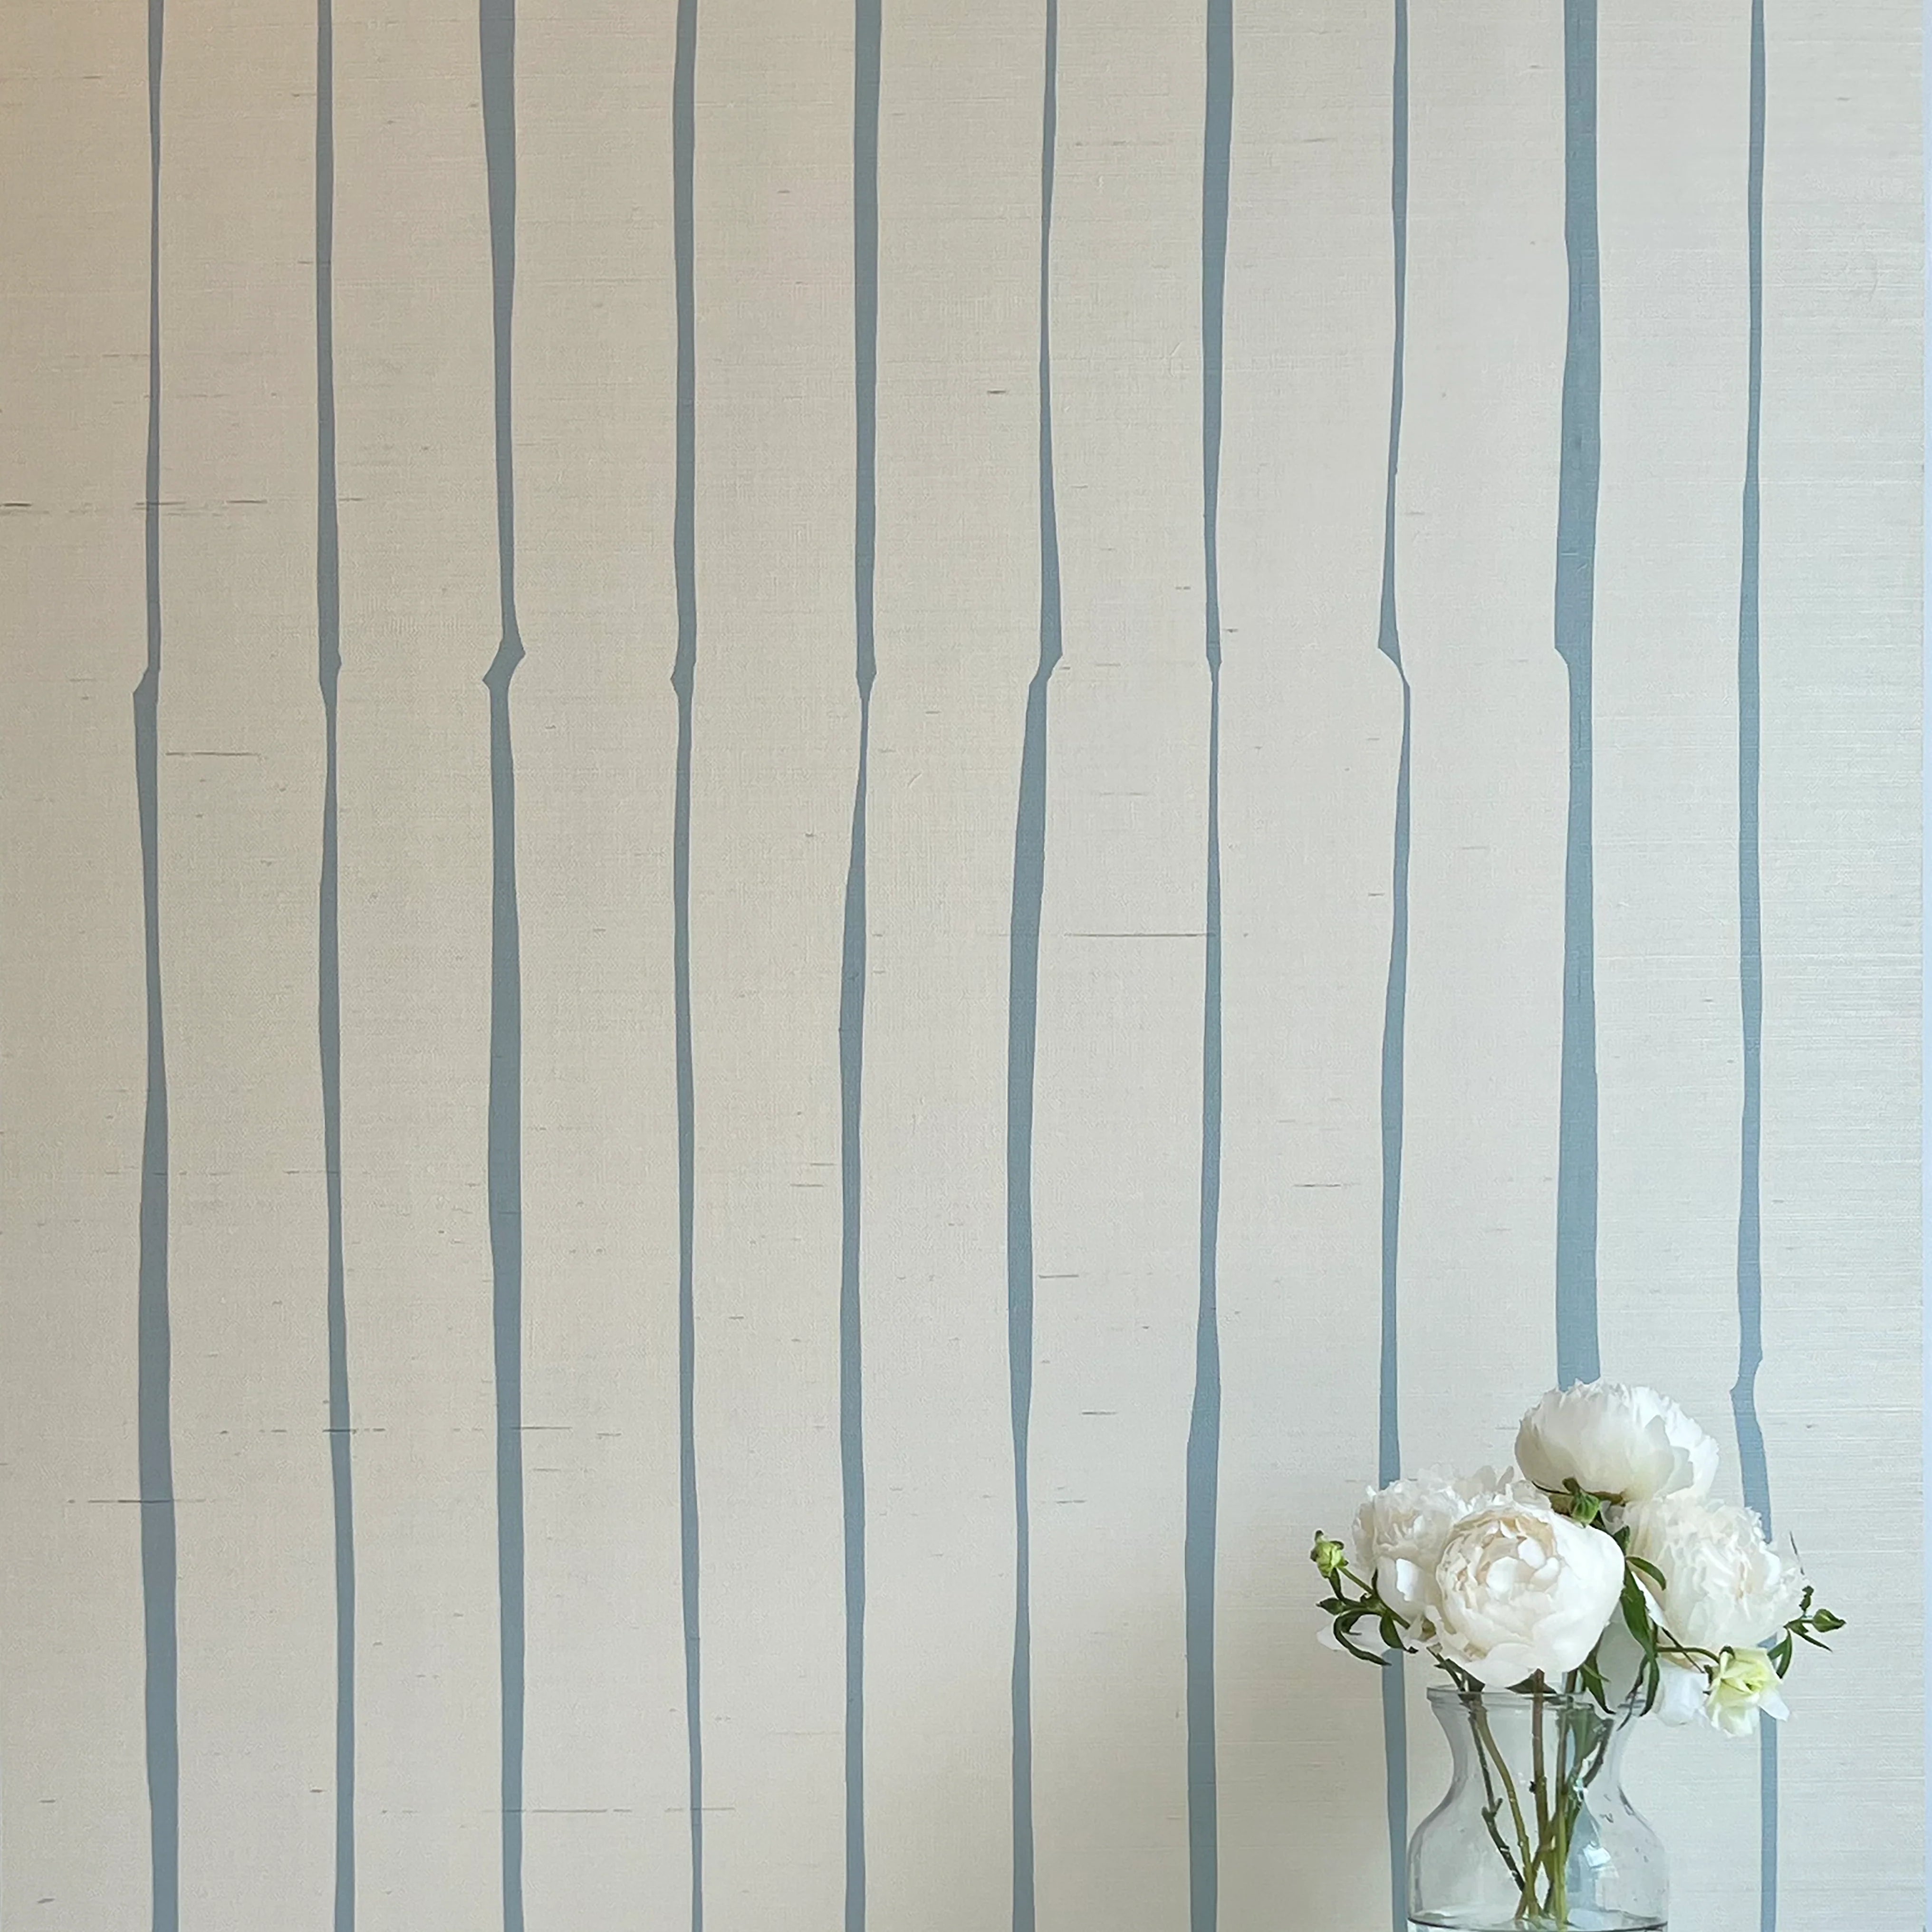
(1539, 1786)
(1486, 1743)
(1559, 1860)
(1492, 1810)
(1544, 1896)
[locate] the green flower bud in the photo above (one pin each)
(1582, 1505)
(1328, 1555)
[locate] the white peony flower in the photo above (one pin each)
(1725, 1587)
(1629, 1443)
(1518, 1588)
(1400, 1530)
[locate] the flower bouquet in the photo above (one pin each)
(1594, 1582)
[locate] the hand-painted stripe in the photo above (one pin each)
(1576, 1345)
(329, 963)
(1203, 1431)
(1750, 946)
(1395, 1002)
(684, 669)
(497, 25)
(154, 1444)
(1023, 1020)
(852, 984)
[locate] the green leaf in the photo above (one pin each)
(1592, 1676)
(1645, 1568)
(1636, 1608)
(1355, 1650)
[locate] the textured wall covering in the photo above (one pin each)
(925, 804)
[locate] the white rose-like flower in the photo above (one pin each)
(1518, 1588)
(1744, 1688)
(1629, 1444)
(1725, 1587)
(1746, 1684)
(1400, 1530)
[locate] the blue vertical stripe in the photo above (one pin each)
(1395, 1000)
(154, 1445)
(1751, 945)
(497, 23)
(329, 965)
(866, 28)
(1577, 1347)
(1203, 1431)
(1023, 1020)
(684, 671)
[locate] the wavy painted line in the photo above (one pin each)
(1395, 1002)
(154, 1444)
(497, 24)
(684, 670)
(1751, 947)
(1023, 1020)
(329, 963)
(1204, 1430)
(867, 27)
(1576, 1345)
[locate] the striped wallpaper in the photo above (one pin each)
(928, 806)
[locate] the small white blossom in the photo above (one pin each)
(1746, 1684)
(1743, 1686)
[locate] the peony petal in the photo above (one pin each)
(1401, 1582)
(1504, 1577)
(1507, 1663)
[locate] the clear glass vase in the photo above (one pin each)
(1536, 1832)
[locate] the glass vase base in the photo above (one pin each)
(1584, 1918)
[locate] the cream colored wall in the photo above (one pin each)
(279, 1825)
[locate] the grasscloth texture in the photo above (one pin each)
(1215, 749)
